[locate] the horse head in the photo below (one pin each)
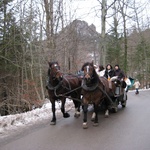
(89, 71)
(54, 71)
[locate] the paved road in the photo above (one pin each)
(129, 129)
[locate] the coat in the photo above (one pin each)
(137, 84)
(109, 73)
(119, 73)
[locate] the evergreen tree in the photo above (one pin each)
(114, 45)
(10, 39)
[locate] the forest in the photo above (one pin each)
(34, 32)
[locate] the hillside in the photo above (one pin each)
(78, 43)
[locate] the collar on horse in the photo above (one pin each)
(89, 88)
(60, 83)
(51, 87)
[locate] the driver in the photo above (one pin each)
(118, 74)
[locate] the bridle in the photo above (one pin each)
(87, 74)
(55, 73)
(87, 83)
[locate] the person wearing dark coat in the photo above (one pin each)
(109, 72)
(119, 73)
(120, 76)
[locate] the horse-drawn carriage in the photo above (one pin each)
(93, 89)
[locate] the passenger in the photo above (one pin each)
(96, 68)
(128, 83)
(101, 71)
(109, 72)
(119, 77)
(119, 73)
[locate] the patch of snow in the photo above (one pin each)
(12, 123)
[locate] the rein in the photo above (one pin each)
(104, 92)
(50, 87)
(64, 95)
(60, 84)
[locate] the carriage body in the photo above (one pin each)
(120, 96)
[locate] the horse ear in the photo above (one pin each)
(48, 63)
(92, 63)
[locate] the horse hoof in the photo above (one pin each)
(53, 123)
(92, 119)
(76, 115)
(85, 125)
(95, 124)
(66, 115)
(106, 114)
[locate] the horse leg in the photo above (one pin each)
(93, 116)
(85, 109)
(96, 115)
(65, 114)
(77, 109)
(107, 109)
(53, 121)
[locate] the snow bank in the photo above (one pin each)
(11, 123)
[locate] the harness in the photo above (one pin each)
(96, 85)
(51, 87)
(89, 88)
(68, 88)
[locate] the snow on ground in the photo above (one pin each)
(12, 123)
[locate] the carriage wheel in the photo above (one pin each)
(115, 109)
(124, 103)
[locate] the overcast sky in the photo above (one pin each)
(86, 10)
(90, 11)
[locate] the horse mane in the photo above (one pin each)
(86, 64)
(95, 77)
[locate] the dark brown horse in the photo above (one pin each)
(95, 90)
(59, 87)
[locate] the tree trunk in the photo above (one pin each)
(103, 33)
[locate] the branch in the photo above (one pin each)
(10, 61)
